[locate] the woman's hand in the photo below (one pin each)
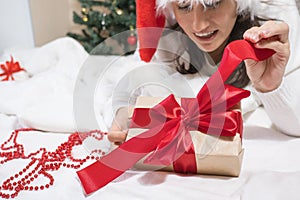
(267, 75)
(119, 128)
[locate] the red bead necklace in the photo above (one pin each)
(42, 165)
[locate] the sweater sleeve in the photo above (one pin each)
(282, 105)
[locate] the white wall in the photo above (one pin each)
(15, 24)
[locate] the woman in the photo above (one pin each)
(211, 25)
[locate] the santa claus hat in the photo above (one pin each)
(149, 27)
(151, 20)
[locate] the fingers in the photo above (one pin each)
(116, 134)
(117, 137)
(270, 29)
(271, 35)
(122, 118)
(119, 128)
(275, 44)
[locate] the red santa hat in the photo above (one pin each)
(149, 28)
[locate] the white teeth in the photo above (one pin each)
(208, 34)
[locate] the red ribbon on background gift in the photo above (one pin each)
(9, 68)
(176, 121)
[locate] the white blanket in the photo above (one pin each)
(271, 165)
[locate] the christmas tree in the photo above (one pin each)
(102, 19)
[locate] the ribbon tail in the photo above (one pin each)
(89, 176)
(6, 78)
(186, 160)
(115, 163)
(186, 163)
(111, 166)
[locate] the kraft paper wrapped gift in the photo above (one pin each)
(214, 155)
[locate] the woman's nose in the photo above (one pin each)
(200, 19)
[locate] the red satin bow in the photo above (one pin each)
(176, 146)
(9, 68)
(210, 99)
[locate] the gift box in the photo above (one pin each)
(214, 154)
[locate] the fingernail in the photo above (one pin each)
(254, 37)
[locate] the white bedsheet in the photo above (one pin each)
(270, 170)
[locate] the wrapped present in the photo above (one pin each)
(214, 154)
(168, 137)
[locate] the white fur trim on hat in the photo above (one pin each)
(242, 5)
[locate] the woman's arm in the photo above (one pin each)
(282, 105)
(278, 94)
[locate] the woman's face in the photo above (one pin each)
(208, 27)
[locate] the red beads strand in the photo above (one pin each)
(48, 161)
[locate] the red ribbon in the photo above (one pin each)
(9, 68)
(169, 123)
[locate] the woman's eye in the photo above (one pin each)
(212, 5)
(184, 6)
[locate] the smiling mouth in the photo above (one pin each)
(206, 35)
